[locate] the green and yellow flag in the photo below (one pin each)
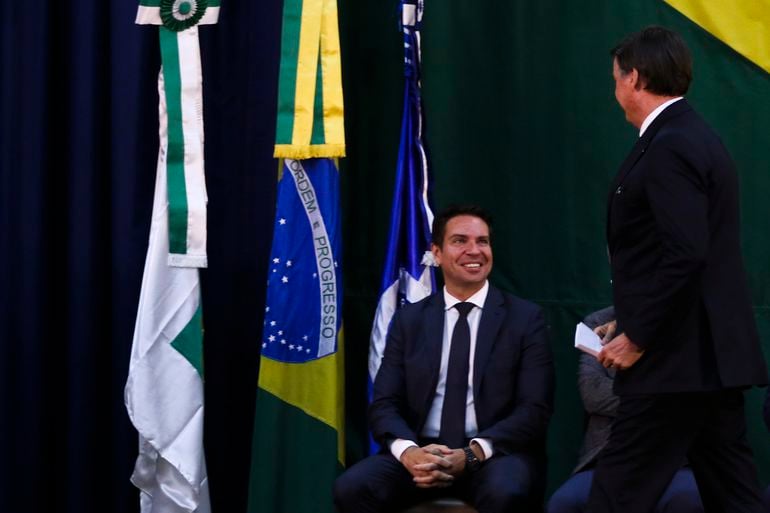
(310, 111)
(743, 25)
(297, 450)
(298, 444)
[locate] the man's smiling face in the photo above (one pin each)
(465, 255)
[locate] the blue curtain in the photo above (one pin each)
(78, 149)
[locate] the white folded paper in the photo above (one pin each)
(586, 340)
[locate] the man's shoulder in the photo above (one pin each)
(511, 302)
(514, 300)
(684, 126)
(435, 300)
(600, 317)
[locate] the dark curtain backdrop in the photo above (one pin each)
(78, 151)
(520, 118)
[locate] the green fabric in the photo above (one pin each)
(292, 16)
(189, 342)
(285, 441)
(318, 136)
(521, 118)
(177, 190)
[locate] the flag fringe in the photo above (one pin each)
(292, 151)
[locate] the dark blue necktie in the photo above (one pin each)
(453, 411)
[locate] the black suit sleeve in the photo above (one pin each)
(526, 425)
(676, 189)
(389, 401)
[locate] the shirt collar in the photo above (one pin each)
(477, 299)
(654, 114)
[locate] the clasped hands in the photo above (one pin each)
(433, 466)
(618, 352)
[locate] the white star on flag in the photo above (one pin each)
(271, 338)
(285, 279)
(276, 260)
(282, 221)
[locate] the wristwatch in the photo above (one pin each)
(472, 463)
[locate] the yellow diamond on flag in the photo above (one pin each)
(744, 25)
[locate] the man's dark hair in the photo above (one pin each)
(661, 58)
(443, 217)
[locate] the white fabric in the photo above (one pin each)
(151, 16)
(164, 392)
(192, 129)
(414, 291)
(655, 113)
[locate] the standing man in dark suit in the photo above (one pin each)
(464, 394)
(687, 344)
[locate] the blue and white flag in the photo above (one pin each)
(407, 277)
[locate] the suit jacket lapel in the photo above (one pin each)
(633, 157)
(642, 143)
(491, 319)
(433, 331)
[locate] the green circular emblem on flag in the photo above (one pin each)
(178, 15)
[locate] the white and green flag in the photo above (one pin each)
(164, 390)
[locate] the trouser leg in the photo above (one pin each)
(647, 446)
(722, 459)
(376, 484)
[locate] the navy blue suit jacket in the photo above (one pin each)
(679, 286)
(513, 374)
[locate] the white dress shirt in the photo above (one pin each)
(433, 420)
(654, 114)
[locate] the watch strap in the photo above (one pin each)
(472, 463)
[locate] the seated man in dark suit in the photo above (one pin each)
(464, 394)
(595, 384)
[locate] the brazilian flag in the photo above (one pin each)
(298, 445)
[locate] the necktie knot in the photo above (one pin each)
(464, 309)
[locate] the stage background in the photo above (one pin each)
(521, 118)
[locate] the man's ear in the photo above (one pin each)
(636, 79)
